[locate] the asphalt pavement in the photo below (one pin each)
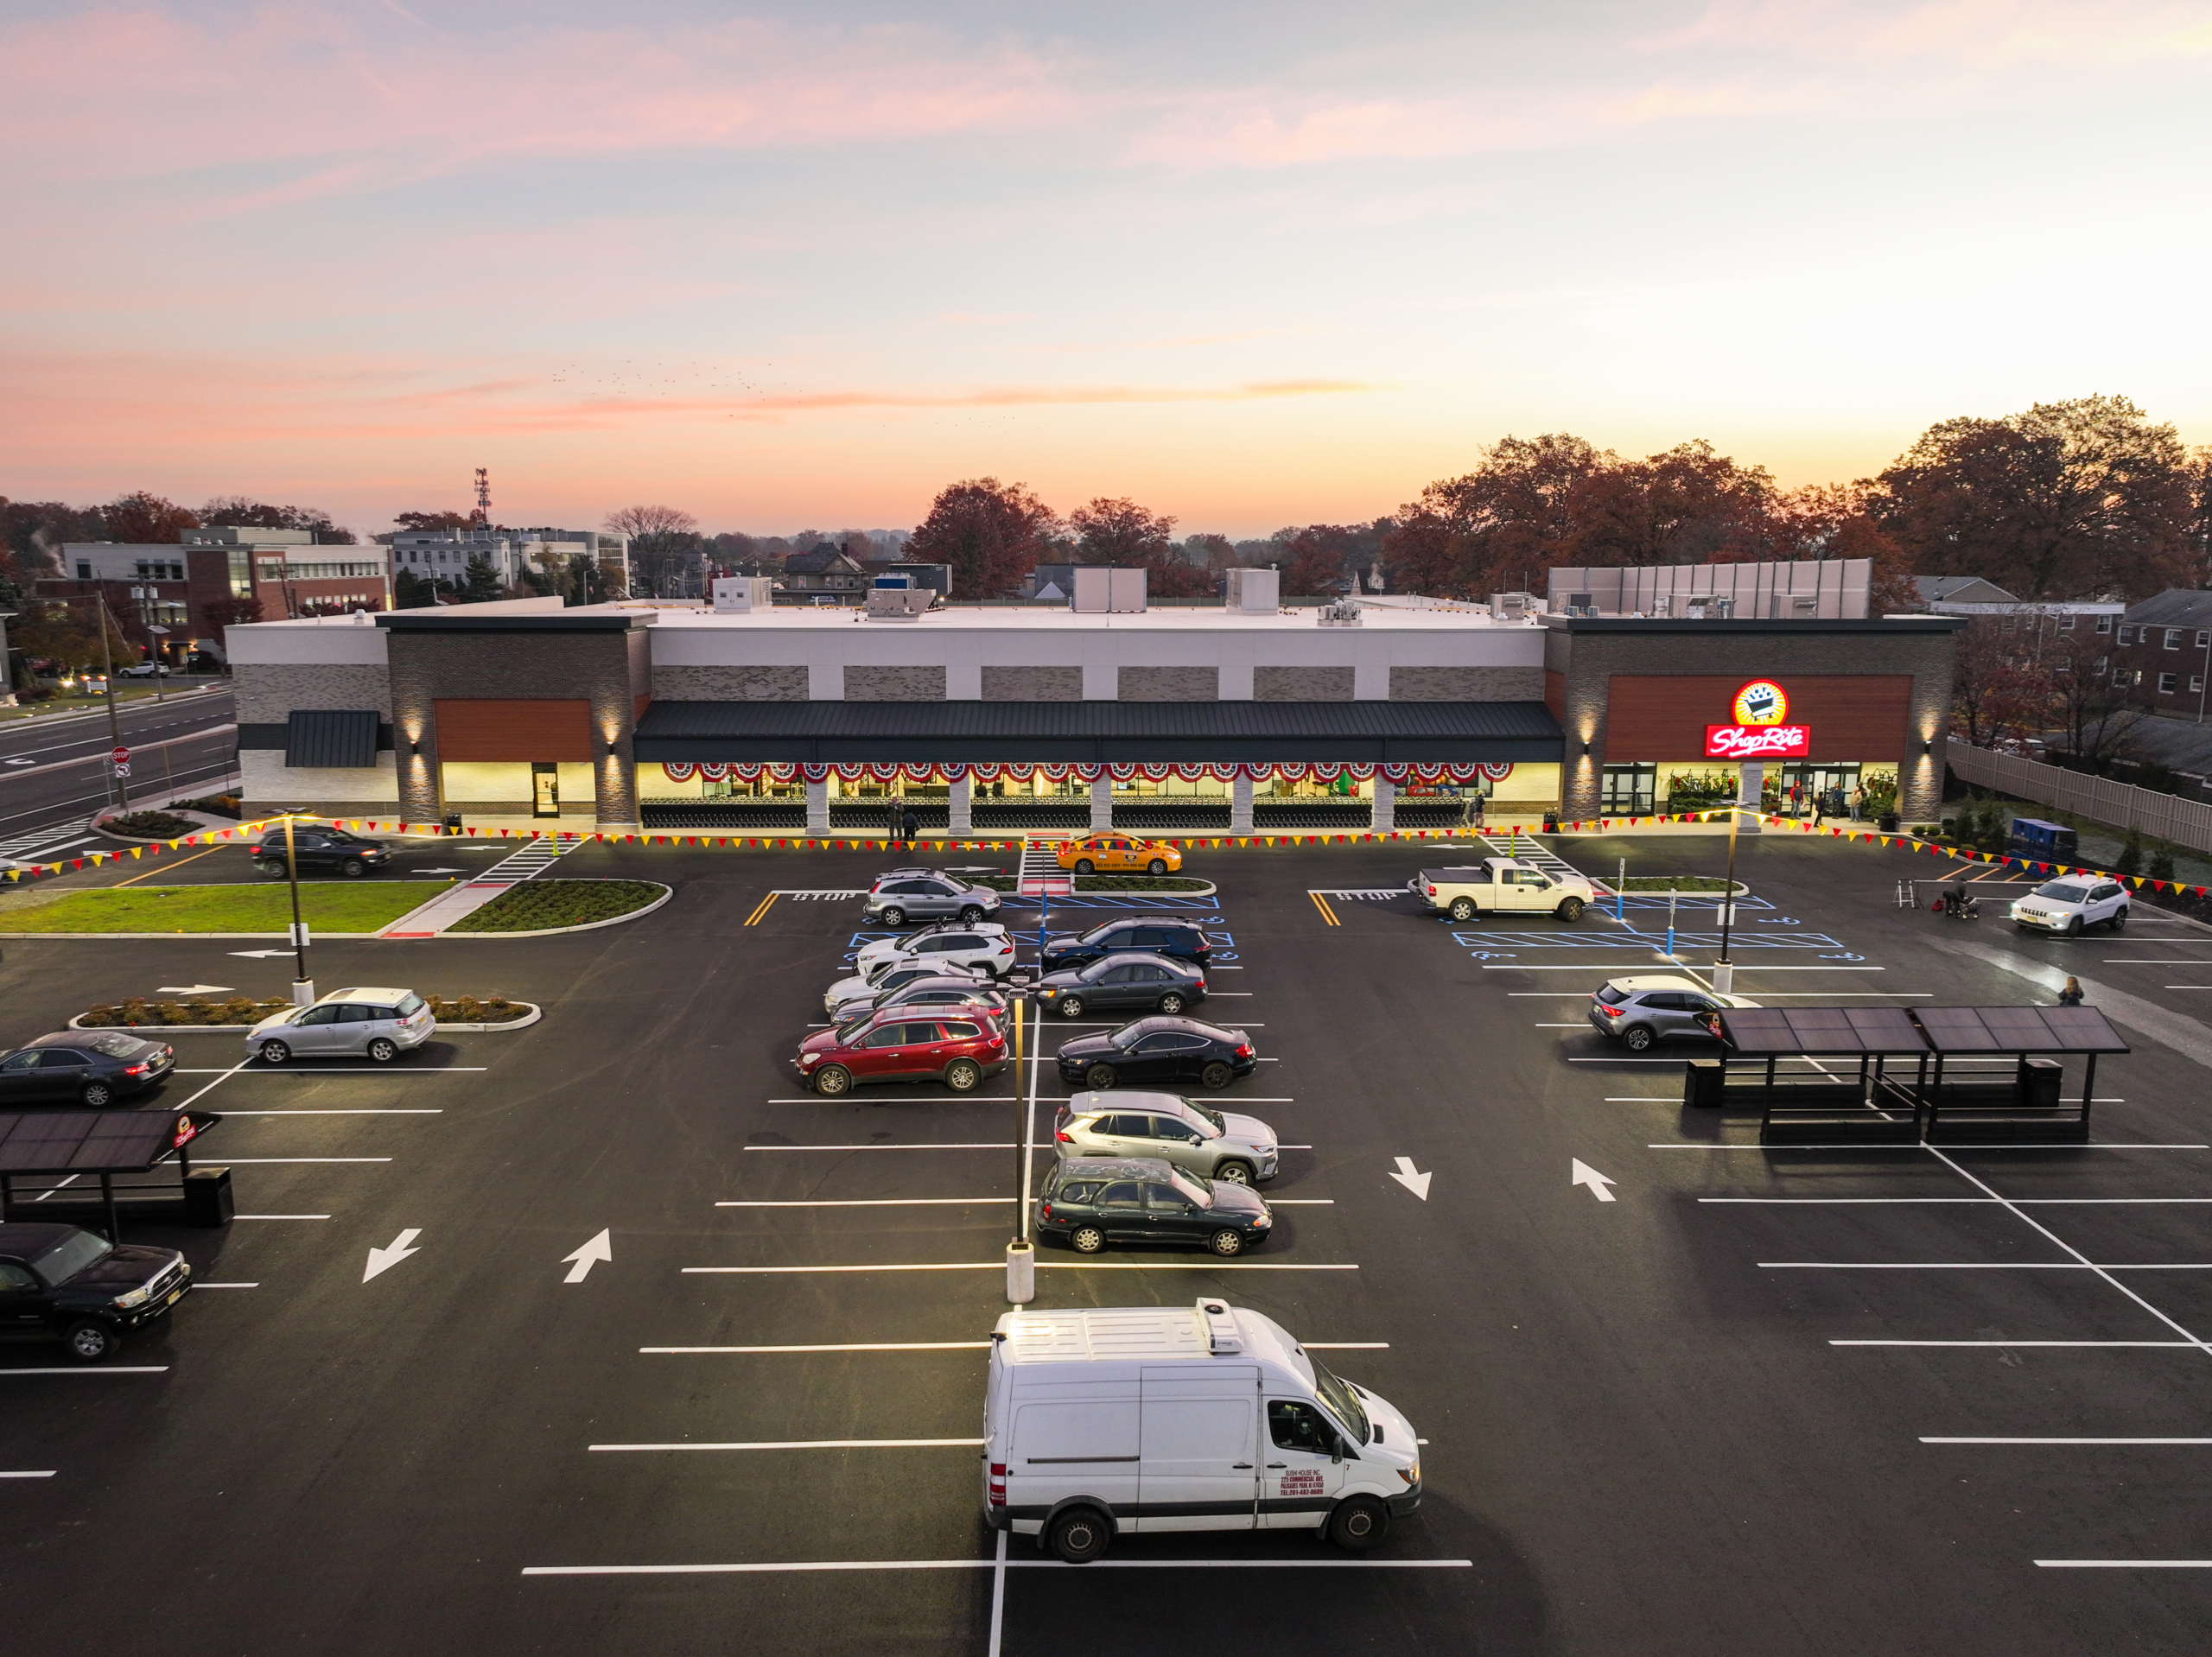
(55, 772)
(1642, 1432)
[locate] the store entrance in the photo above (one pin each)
(1803, 786)
(544, 790)
(1631, 791)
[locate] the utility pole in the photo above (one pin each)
(302, 986)
(7, 663)
(121, 777)
(1723, 970)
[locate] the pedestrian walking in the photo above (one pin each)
(1477, 810)
(912, 821)
(2071, 995)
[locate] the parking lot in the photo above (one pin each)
(1680, 1393)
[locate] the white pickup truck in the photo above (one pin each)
(1499, 884)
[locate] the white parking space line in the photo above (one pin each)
(2017, 1202)
(227, 1286)
(1301, 1201)
(868, 1203)
(1976, 1266)
(1925, 1440)
(812, 1443)
(1206, 1264)
(2176, 1346)
(893, 1099)
(1985, 1201)
(333, 1112)
(278, 1159)
(2126, 1564)
(1580, 1024)
(45, 1473)
(1300, 1564)
(2091, 1144)
(102, 1370)
(1003, 1145)
(247, 1067)
(848, 1346)
(280, 1216)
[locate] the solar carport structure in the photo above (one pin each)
(45, 1155)
(1876, 1075)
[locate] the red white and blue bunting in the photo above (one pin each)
(682, 771)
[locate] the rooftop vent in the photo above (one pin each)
(898, 603)
(1341, 612)
(1224, 1338)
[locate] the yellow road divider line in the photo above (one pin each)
(1322, 904)
(754, 919)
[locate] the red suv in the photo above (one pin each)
(903, 1045)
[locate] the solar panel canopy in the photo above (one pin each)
(1758, 1032)
(92, 1142)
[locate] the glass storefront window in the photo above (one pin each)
(1631, 791)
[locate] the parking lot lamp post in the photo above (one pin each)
(302, 986)
(114, 724)
(1724, 971)
(1020, 1253)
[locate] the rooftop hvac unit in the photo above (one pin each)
(1342, 612)
(898, 603)
(1256, 591)
(1706, 607)
(737, 594)
(1099, 588)
(1515, 606)
(1582, 604)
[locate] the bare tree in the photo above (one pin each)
(664, 546)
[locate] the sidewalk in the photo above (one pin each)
(465, 898)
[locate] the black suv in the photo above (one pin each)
(1164, 935)
(83, 1067)
(317, 847)
(1087, 1203)
(57, 1279)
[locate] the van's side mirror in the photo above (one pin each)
(1336, 1449)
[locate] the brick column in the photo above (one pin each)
(1386, 806)
(817, 809)
(1240, 805)
(1748, 793)
(963, 799)
(1101, 802)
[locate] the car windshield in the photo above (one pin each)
(1339, 1397)
(1220, 1126)
(1190, 1188)
(2062, 891)
(1099, 932)
(851, 1028)
(71, 1255)
(116, 1046)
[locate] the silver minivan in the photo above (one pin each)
(377, 1024)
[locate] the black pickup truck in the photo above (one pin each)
(58, 1280)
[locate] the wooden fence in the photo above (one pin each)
(2122, 805)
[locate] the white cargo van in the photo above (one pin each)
(1207, 1418)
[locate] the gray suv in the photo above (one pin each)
(1637, 1011)
(1212, 1144)
(916, 894)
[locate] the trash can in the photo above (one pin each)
(2039, 1079)
(1701, 1084)
(452, 821)
(1551, 822)
(207, 1200)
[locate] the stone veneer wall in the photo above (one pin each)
(1030, 685)
(894, 684)
(754, 684)
(1466, 684)
(1301, 684)
(1169, 684)
(267, 692)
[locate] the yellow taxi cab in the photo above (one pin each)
(1118, 854)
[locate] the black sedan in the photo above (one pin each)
(319, 848)
(1087, 1203)
(1122, 983)
(56, 1279)
(1166, 935)
(83, 1067)
(1152, 1051)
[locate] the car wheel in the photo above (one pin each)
(98, 1095)
(1359, 1523)
(1086, 1240)
(1071, 1006)
(352, 867)
(2073, 927)
(1234, 1173)
(383, 1050)
(1570, 909)
(1463, 909)
(969, 914)
(275, 1052)
(1637, 1037)
(1085, 866)
(91, 1343)
(1079, 1535)
(1171, 1002)
(1156, 868)
(832, 1079)
(1217, 1075)
(2118, 920)
(1227, 1244)
(1099, 1078)
(274, 871)
(962, 1075)
(895, 916)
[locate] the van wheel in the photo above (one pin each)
(1216, 1075)
(1071, 1006)
(1463, 909)
(1233, 1173)
(895, 916)
(833, 1079)
(1157, 867)
(1359, 1523)
(1079, 1535)
(352, 867)
(383, 1050)
(1227, 1244)
(1570, 909)
(1086, 1240)
(969, 914)
(1099, 1078)
(275, 1052)
(1637, 1037)
(1171, 1002)
(98, 1095)
(962, 1075)
(91, 1343)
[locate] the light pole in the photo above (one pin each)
(302, 986)
(1723, 970)
(161, 666)
(1020, 1253)
(7, 663)
(120, 778)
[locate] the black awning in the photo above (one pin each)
(1098, 732)
(96, 1142)
(337, 738)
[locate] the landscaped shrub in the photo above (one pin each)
(2162, 863)
(149, 825)
(542, 906)
(137, 1012)
(2130, 861)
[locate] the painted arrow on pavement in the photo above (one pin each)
(580, 1263)
(382, 1259)
(1412, 1179)
(1598, 1184)
(192, 989)
(259, 954)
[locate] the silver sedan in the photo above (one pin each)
(1212, 1144)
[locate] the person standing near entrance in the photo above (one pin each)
(1857, 803)
(890, 823)
(911, 821)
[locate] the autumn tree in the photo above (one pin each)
(1836, 521)
(2068, 500)
(243, 512)
(36, 530)
(991, 533)
(1995, 696)
(70, 635)
(1211, 553)
(432, 522)
(1120, 532)
(145, 519)
(1515, 514)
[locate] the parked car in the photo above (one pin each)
(1500, 884)
(1139, 982)
(2067, 904)
(83, 1067)
(1118, 854)
(1087, 1203)
(983, 946)
(888, 976)
(58, 1280)
(904, 895)
(144, 671)
(319, 847)
(1656, 1007)
(1212, 1144)
(943, 991)
(1158, 1050)
(899, 1047)
(377, 1024)
(1166, 935)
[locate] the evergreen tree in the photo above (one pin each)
(481, 582)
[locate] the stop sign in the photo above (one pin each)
(121, 756)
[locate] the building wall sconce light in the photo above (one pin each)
(1586, 748)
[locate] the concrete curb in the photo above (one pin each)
(535, 1013)
(666, 892)
(281, 937)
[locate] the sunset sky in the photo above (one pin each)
(1253, 264)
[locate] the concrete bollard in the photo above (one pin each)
(1021, 1274)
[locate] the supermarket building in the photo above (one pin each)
(987, 719)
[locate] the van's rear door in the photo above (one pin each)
(1199, 1431)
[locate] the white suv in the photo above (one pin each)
(985, 947)
(2074, 901)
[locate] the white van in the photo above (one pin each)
(1209, 1418)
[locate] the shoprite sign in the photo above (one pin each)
(1762, 730)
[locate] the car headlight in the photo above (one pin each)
(1263, 1223)
(1411, 1475)
(809, 1058)
(135, 1297)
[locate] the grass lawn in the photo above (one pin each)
(540, 906)
(327, 906)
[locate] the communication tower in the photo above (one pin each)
(482, 515)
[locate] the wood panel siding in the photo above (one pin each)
(1663, 716)
(1555, 694)
(523, 730)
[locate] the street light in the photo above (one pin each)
(302, 986)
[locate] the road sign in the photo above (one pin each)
(121, 756)
(123, 768)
